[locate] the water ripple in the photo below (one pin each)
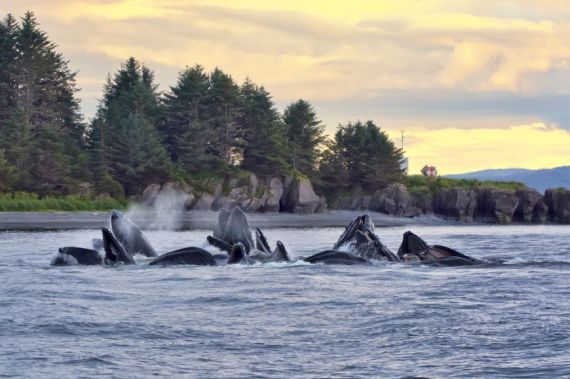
(504, 319)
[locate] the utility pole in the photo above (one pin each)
(402, 140)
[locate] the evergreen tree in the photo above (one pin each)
(125, 142)
(42, 133)
(367, 157)
(264, 133)
(7, 173)
(185, 120)
(224, 134)
(305, 133)
(8, 68)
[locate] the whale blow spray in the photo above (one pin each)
(164, 212)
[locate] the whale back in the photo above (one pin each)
(77, 255)
(186, 256)
(337, 258)
(130, 236)
(114, 251)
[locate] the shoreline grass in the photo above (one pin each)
(30, 202)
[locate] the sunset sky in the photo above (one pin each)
(474, 84)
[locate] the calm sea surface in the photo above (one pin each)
(508, 319)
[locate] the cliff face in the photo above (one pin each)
(252, 194)
(467, 205)
(296, 195)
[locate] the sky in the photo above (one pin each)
(474, 84)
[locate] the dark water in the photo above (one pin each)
(291, 320)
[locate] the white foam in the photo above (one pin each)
(66, 258)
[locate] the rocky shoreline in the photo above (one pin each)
(296, 195)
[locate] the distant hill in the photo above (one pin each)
(537, 179)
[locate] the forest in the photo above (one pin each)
(204, 125)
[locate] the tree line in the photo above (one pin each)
(204, 125)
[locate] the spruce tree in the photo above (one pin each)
(367, 157)
(305, 133)
(224, 134)
(185, 121)
(264, 134)
(125, 142)
(41, 126)
(8, 68)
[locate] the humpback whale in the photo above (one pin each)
(361, 240)
(232, 227)
(114, 251)
(186, 256)
(415, 249)
(219, 243)
(238, 254)
(261, 243)
(237, 229)
(220, 227)
(130, 236)
(337, 258)
(77, 255)
(279, 254)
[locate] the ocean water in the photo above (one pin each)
(508, 319)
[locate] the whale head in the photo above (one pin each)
(280, 254)
(238, 254)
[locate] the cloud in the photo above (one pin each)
(431, 65)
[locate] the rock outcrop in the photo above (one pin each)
(183, 193)
(299, 197)
(531, 208)
(250, 193)
(296, 195)
(394, 200)
(495, 205)
(558, 202)
(204, 202)
(456, 203)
